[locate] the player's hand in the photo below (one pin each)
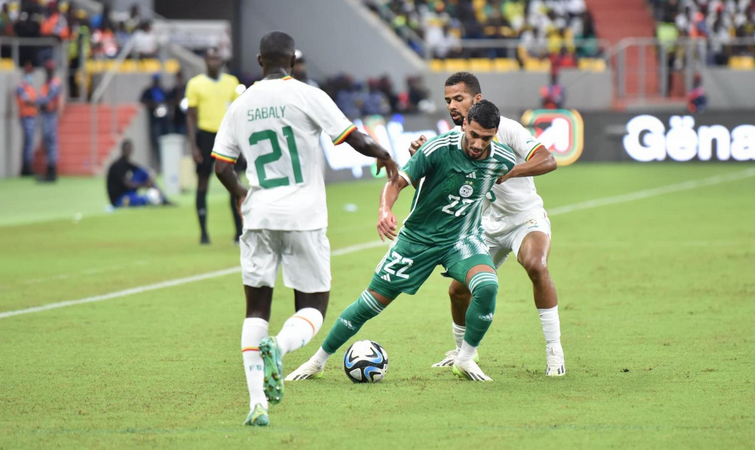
(197, 154)
(391, 168)
(386, 225)
(415, 145)
(240, 201)
(503, 178)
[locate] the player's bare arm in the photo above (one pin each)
(415, 145)
(227, 176)
(386, 219)
(367, 146)
(191, 130)
(542, 162)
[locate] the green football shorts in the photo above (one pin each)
(407, 264)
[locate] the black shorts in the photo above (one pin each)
(205, 142)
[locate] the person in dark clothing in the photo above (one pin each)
(175, 97)
(124, 179)
(155, 99)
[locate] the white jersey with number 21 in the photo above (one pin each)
(276, 125)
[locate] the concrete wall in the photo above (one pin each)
(335, 35)
(521, 90)
(729, 89)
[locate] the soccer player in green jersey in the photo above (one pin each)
(452, 173)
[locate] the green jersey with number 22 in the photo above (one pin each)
(450, 187)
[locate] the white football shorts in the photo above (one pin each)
(305, 256)
(513, 232)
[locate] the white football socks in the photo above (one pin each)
(466, 353)
(252, 332)
(299, 329)
(551, 326)
(458, 331)
(321, 357)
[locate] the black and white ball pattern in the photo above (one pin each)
(365, 362)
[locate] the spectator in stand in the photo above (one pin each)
(375, 102)
(134, 21)
(26, 97)
(697, 101)
(6, 23)
(104, 44)
(125, 179)
(386, 87)
(418, 95)
(79, 48)
(155, 99)
(103, 19)
(145, 42)
(563, 60)
(178, 106)
(553, 94)
(27, 26)
(55, 23)
(50, 103)
(300, 70)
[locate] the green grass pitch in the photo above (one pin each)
(657, 302)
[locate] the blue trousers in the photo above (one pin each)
(50, 137)
(29, 125)
(132, 198)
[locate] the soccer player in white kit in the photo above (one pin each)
(514, 222)
(276, 124)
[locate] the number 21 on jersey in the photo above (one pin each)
(268, 158)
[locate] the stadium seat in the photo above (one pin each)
(437, 65)
(129, 66)
(95, 66)
(592, 64)
(149, 65)
(537, 65)
(171, 66)
(742, 63)
(505, 65)
(480, 65)
(456, 65)
(7, 64)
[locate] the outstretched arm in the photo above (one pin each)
(542, 162)
(367, 146)
(386, 219)
(227, 176)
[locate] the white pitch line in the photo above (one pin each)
(654, 192)
(692, 184)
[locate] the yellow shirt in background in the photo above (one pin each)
(211, 98)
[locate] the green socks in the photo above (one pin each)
(352, 319)
(484, 288)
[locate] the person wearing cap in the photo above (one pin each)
(49, 105)
(26, 97)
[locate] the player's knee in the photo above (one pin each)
(485, 296)
(459, 294)
(536, 267)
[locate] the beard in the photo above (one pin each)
(459, 121)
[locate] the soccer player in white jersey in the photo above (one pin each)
(514, 222)
(276, 124)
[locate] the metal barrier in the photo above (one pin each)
(646, 67)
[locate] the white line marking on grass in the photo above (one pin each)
(73, 275)
(654, 192)
(692, 184)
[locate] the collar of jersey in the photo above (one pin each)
(286, 78)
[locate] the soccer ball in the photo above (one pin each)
(154, 197)
(365, 362)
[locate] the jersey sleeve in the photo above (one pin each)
(324, 112)
(418, 165)
(192, 93)
(225, 148)
(521, 141)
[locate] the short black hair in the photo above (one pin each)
(485, 113)
(469, 80)
(277, 47)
